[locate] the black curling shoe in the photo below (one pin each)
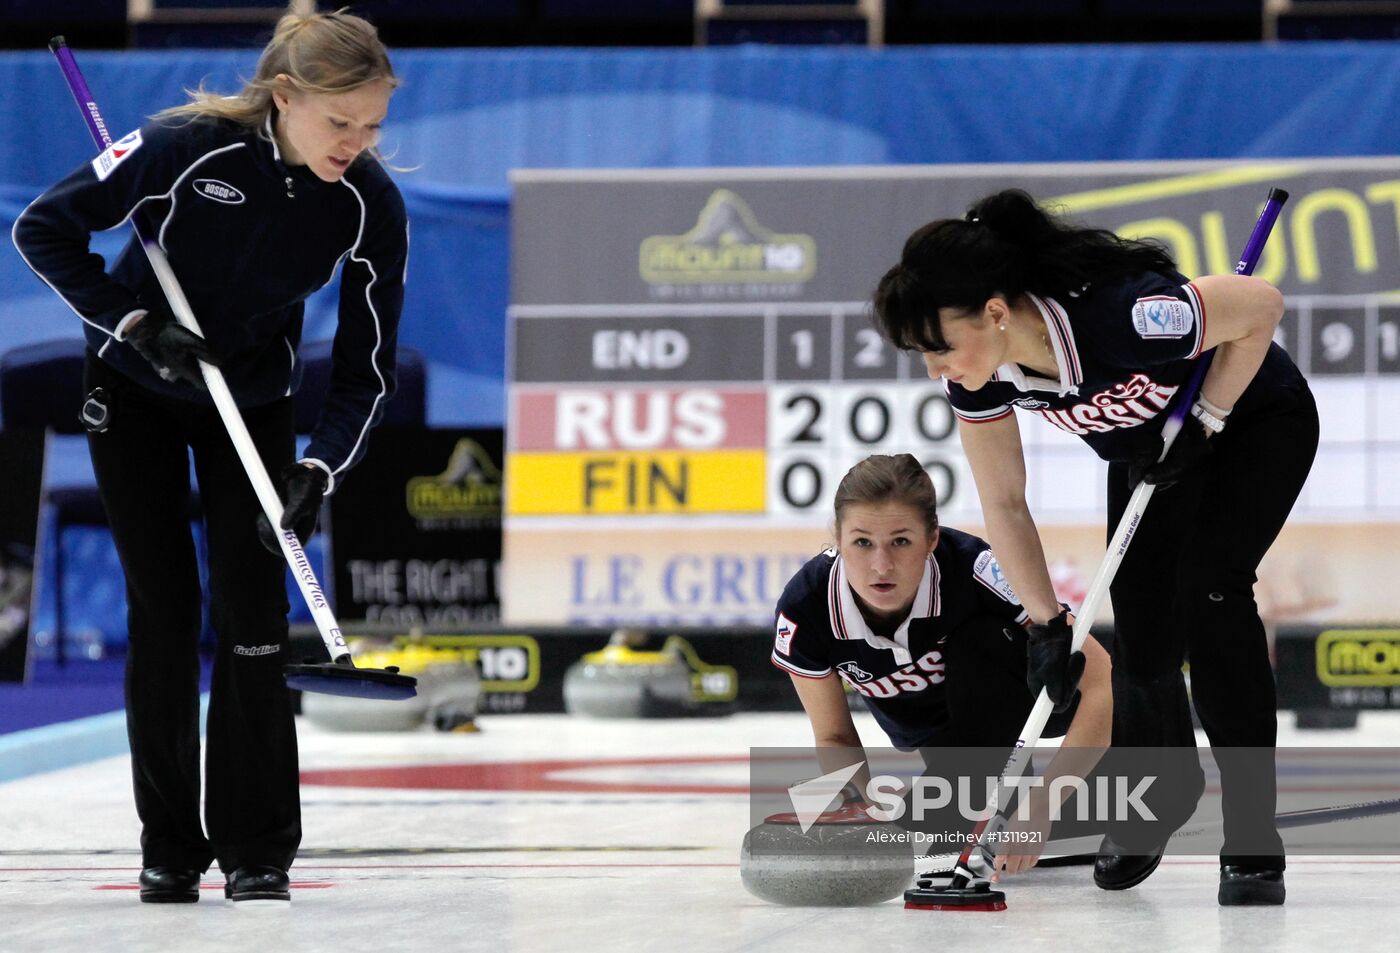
(169, 885)
(1251, 886)
(1117, 869)
(258, 885)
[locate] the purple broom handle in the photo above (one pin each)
(1252, 250)
(88, 107)
(81, 94)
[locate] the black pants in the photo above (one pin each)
(985, 688)
(987, 706)
(1186, 589)
(141, 461)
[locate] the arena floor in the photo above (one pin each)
(554, 833)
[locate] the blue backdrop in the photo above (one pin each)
(463, 118)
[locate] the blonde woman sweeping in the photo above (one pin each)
(256, 199)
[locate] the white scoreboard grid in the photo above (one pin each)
(674, 442)
(834, 392)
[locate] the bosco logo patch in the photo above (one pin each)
(218, 191)
(1162, 317)
(786, 630)
(854, 671)
(115, 154)
(989, 574)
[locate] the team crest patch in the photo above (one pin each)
(1162, 317)
(115, 154)
(989, 574)
(786, 630)
(218, 191)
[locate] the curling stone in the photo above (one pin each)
(622, 681)
(831, 865)
(449, 696)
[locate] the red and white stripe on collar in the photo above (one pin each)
(1062, 341)
(843, 626)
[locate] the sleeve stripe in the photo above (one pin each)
(378, 336)
(14, 234)
(14, 238)
(1199, 306)
(982, 416)
(784, 664)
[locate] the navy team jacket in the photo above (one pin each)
(249, 238)
(1124, 349)
(819, 630)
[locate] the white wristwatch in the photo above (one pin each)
(1211, 417)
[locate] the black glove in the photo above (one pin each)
(1049, 662)
(1191, 446)
(171, 348)
(302, 489)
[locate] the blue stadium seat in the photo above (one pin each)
(41, 388)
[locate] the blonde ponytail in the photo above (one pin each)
(317, 53)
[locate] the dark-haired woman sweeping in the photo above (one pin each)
(1097, 334)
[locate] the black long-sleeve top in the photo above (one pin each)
(250, 238)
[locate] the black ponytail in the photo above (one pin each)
(1007, 245)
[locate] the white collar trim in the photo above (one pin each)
(1061, 338)
(848, 623)
(272, 136)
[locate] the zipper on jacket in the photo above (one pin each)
(291, 194)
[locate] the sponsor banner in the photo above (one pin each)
(639, 419)
(1359, 657)
(727, 245)
(636, 482)
(828, 234)
(1338, 669)
(415, 534)
(726, 571)
(707, 575)
(522, 668)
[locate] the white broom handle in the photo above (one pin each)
(1122, 536)
(228, 410)
(252, 463)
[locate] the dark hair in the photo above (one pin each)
(889, 479)
(1007, 245)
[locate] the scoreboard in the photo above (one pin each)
(712, 409)
(693, 367)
